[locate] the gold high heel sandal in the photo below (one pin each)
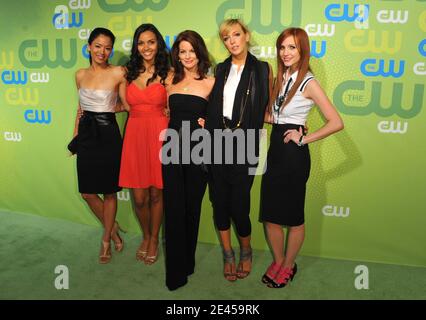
(105, 254)
(118, 245)
(142, 253)
(152, 259)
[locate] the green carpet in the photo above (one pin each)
(32, 246)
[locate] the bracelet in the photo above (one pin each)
(300, 143)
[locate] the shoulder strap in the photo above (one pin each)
(304, 83)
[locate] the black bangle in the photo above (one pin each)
(300, 143)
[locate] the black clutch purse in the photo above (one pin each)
(73, 145)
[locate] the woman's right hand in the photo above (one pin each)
(201, 122)
(79, 113)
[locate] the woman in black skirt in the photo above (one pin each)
(288, 163)
(97, 141)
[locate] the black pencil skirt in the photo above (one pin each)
(284, 182)
(99, 153)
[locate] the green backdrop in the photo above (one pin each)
(366, 193)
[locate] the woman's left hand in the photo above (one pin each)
(166, 112)
(293, 135)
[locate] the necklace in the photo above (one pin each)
(243, 108)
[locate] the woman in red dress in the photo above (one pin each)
(140, 162)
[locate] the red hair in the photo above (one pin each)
(302, 44)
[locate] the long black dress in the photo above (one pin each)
(184, 187)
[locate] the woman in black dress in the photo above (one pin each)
(184, 179)
(98, 137)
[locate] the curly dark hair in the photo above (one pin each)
(135, 65)
(201, 52)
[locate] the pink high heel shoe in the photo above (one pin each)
(271, 273)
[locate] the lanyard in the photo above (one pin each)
(281, 98)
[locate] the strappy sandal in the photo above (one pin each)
(229, 258)
(246, 254)
(105, 254)
(284, 276)
(152, 259)
(141, 254)
(118, 245)
(271, 273)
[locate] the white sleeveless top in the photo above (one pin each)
(297, 110)
(97, 100)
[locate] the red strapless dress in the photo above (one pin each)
(140, 159)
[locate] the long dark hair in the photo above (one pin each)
(135, 66)
(201, 52)
(96, 33)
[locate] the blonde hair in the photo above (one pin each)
(226, 25)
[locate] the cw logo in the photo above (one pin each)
(420, 68)
(133, 5)
(14, 77)
(123, 195)
(29, 48)
(168, 41)
(60, 19)
(256, 14)
(365, 41)
(334, 211)
(369, 68)
(84, 34)
(39, 77)
(320, 30)
(4, 64)
(422, 46)
(388, 16)
(13, 136)
(333, 12)
(80, 4)
(16, 96)
(127, 44)
(314, 52)
(125, 25)
(262, 52)
(374, 105)
(33, 116)
(392, 127)
(86, 53)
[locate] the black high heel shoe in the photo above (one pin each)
(283, 277)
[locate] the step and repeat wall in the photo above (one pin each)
(366, 194)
